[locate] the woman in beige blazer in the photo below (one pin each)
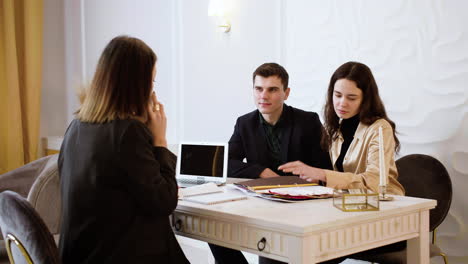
(353, 114)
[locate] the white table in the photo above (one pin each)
(307, 232)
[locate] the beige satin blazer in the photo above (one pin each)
(361, 162)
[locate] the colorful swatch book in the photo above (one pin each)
(285, 188)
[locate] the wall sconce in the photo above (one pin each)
(218, 8)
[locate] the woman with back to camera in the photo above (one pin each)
(117, 175)
(353, 114)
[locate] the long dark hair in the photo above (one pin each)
(371, 107)
(122, 83)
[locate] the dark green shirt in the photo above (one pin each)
(273, 135)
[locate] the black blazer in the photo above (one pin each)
(117, 194)
(300, 141)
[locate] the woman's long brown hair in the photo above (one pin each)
(371, 108)
(122, 83)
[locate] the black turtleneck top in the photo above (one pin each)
(348, 128)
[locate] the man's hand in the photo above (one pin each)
(267, 173)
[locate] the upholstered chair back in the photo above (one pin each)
(44, 195)
(426, 177)
(21, 179)
(27, 238)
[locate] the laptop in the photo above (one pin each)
(199, 163)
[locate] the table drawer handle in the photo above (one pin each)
(178, 225)
(261, 244)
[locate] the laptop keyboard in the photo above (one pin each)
(190, 181)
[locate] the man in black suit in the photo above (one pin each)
(272, 135)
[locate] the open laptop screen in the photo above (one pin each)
(202, 160)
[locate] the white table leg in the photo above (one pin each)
(301, 251)
(418, 248)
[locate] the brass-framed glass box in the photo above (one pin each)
(355, 200)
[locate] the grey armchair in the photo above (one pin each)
(39, 182)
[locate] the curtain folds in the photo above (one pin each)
(20, 81)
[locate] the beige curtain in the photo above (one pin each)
(20, 81)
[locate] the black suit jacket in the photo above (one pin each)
(117, 194)
(300, 141)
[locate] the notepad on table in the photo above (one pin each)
(215, 198)
(201, 189)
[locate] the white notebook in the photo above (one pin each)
(205, 188)
(215, 198)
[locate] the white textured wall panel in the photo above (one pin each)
(418, 52)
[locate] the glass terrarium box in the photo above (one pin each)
(355, 200)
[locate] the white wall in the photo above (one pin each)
(416, 49)
(53, 83)
(63, 65)
(217, 67)
(148, 20)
